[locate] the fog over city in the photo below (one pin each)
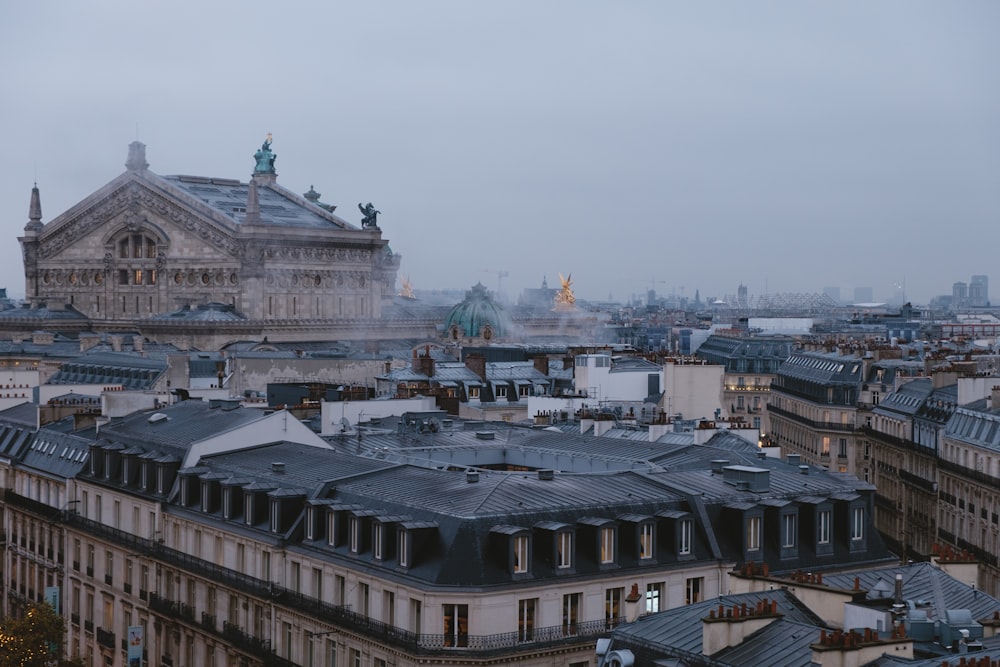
(672, 146)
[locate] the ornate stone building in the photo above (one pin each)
(146, 251)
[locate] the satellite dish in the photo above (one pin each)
(345, 424)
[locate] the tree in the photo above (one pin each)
(33, 640)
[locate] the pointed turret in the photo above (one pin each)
(34, 211)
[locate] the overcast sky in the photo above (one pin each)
(789, 146)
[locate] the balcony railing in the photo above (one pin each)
(341, 616)
(105, 637)
(818, 425)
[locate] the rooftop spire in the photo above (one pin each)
(35, 210)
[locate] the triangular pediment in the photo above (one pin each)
(139, 200)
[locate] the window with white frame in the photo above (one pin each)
(502, 391)
(310, 526)
(646, 540)
(403, 540)
(331, 529)
(858, 523)
(788, 530)
(607, 544)
(275, 515)
(520, 562)
(685, 532)
(564, 549)
(473, 392)
(248, 509)
(753, 533)
(354, 534)
(377, 532)
(654, 597)
(823, 527)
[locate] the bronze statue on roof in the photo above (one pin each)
(265, 158)
(370, 215)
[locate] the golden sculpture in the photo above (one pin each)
(406, 291)
(564, 297)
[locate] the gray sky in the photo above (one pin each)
(676, 145)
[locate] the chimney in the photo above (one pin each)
(541, 364)
(727, 627)
(995, 396)
(477, 364)
(845, 649)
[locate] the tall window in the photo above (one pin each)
(823, 527)
(377, 540)
(788, 531)
(456, 624)
(753, 533)
(354, 533)
(403, 544)
(646, 541)
(654, 597)
(858, 523)
(520, 554)
(570, 612)
(613, 606)
(607, 545)
(694, 590)
(564, 549)
(686, 529)
(526, 619)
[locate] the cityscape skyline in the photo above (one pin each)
(661, 147)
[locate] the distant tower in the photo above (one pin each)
(979, 291)
(741, 295)
(959, 294)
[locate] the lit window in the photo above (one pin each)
(607, 545)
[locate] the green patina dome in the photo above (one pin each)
(479, 315)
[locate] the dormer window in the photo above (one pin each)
(310, 528)
(753, 527)
(520, 558)
(512, 544)
(403, 542)
(378, 546)
(275, 515)
(331, 528)
(685, 534)
(564, 549)
(647, 532)
(248, 513)
(354, 534)
(608, 539)
(144, 475)
(858, 523)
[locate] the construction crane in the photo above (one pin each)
(501, 274)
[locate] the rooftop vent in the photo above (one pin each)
(278, 466)
(719, 464)
(157, 417)
(803, 470)
(485, 435)
(794, 459)
(471, 476)
(547, 474)
(748, 478)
